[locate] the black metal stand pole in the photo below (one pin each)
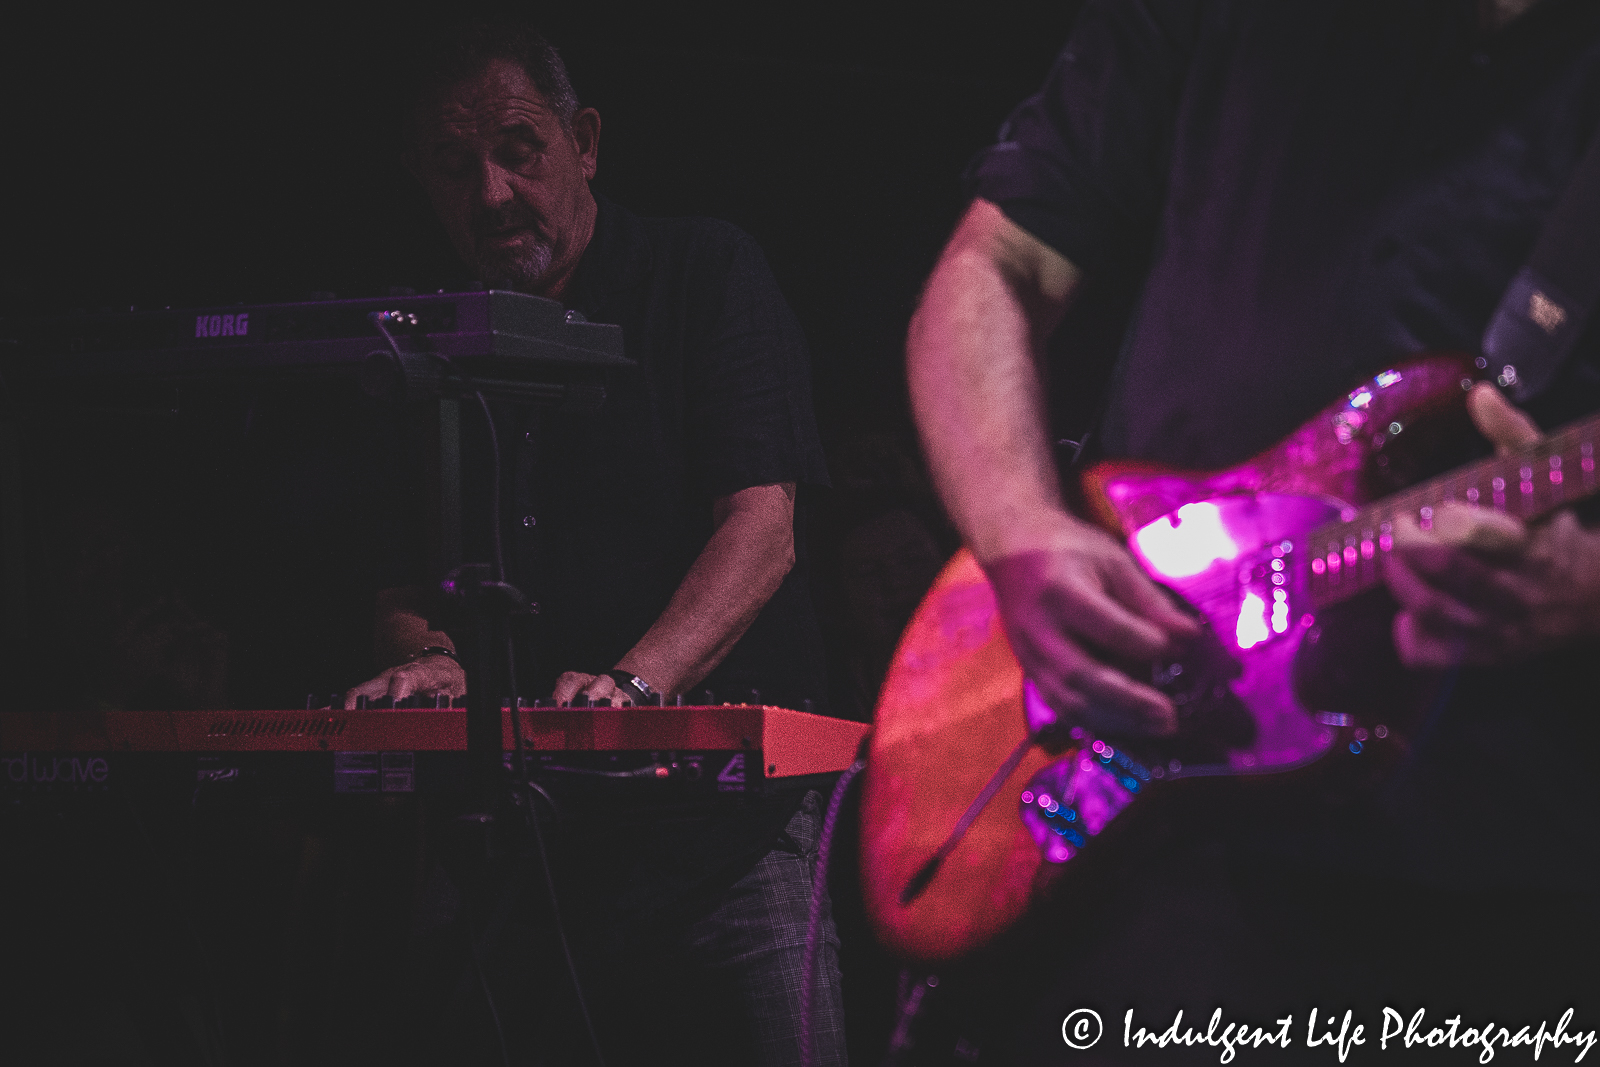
(410, 367)
(490, 604)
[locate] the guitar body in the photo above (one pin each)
(1255, 695)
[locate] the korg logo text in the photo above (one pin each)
(222, 325)
(55, 770)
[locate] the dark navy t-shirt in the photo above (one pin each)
(1300, 191)
(1287, 196)
(604, 512)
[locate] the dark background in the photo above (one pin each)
(213, 157)
(213, 557)
(216, 157)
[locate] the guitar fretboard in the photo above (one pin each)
(1348, 556)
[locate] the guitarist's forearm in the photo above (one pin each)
(975, 381)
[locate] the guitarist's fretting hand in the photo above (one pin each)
(1481, 587)
(1064, 604)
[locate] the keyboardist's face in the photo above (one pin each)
(508, 181)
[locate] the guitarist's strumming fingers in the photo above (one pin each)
(1068, 605)
(1068, 593)
(1480, 586)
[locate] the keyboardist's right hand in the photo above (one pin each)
(425, 676)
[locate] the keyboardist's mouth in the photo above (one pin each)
(508, 236)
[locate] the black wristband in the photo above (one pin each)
(634, 687)
(434, 650)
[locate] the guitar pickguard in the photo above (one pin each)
(1232, 561)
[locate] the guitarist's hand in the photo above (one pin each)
(1070, 600)
(1481, 587)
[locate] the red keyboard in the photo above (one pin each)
(789, 742)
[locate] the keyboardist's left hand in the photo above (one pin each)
(1482, 587)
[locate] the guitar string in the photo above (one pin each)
(1222, 588)
(1542, 496)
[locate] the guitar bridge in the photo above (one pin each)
(1074, 798)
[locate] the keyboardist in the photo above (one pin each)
(658, 537)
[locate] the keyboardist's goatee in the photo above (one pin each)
(508, 246)
(522, 265)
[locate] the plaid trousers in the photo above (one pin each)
(757, 937)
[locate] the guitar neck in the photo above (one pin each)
(1349, 555)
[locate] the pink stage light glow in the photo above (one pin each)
(1252, 628)
(1186, 542)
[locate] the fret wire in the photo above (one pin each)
(1454, 486)
(1570, 448)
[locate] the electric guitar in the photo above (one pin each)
(966, 819)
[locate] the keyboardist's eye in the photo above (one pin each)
(520, 154)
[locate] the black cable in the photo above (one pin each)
(919, 881)
(651, 770)
(494, 490)
(496, 517)
(520, 751)
(381, 323)
(212, 1032)
(495, 520)
(555, 913)
(819, 890)
(488, 998)
(548, 799)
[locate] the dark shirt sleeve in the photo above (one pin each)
(749, 381)
(1082, 163)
